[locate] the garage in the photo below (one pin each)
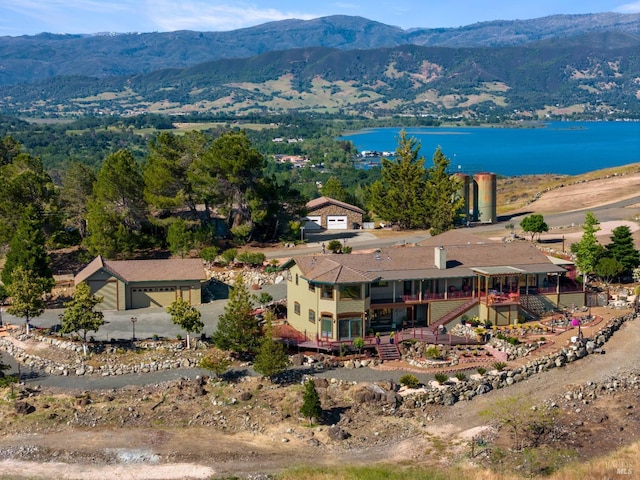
(337, 222)
(108, 290)
(145, 297)
(313, 222)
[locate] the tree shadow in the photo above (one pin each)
(332, 416)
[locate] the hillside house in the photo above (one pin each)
(338, 297)
(130, 284)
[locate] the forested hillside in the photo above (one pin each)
(593, 76)
(29, 59)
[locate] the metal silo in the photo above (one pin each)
(487, 197)
(463, 192)
(473, 200)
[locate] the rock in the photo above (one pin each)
(483, 388)
(245, 396)
(24, 408)
(337, 433)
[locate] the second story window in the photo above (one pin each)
(327, 292)
(350, 292)
(296, 308)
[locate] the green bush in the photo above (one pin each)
(441, 377)
(228, 256)
(409, 380)
(209, 254)
(481, 370)
(432, 352)
(252, 258)
(513, 341)
(334, 246)
(499, 366)
(461, 376)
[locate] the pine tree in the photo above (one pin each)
(26, 292)
(80, 315)
(441, 195)
(272, 357)
(399, 197)
(238, 329)
(27, 250)
(186, 316)
(588, 251)
(180, 238)
(622, 248)
(311, 407)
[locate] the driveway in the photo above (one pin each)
(149, 321)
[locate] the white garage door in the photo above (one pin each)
(336, 222)
(315, 219)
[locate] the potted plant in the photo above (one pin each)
(392, 337)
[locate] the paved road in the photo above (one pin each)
(155, 321)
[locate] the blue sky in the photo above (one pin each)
(29, 17)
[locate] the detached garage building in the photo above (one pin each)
(129, 284)
(332, 214)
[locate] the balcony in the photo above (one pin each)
(426, 298)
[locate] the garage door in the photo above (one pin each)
(108, 291)
(315, 219)
(152, 297)
(336, 222)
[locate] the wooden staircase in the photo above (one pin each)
(388, 351)
(455, 313)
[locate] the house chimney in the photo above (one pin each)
(440, 258)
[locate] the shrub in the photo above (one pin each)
(513, 341)
(542, 339)
(228, 256)
(441, 378)
(432, 352)
(209, 254)
(481, 370)
(334, 246)
(501, 336)
(252, 258)
(499, 366)
(409, 380)
(461, 376)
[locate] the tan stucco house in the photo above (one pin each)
(338, 297)
(330, 214)
(130, 284)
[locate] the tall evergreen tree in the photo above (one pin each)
(441, 194)
(399, 196)
(622, 248)
(588, 251)
(238, 329)
(80, 315)
(180, 238)
(228, 175)
(77, 189)
(167, 170)
(117, 210)
(26, 292)
(24, 182)
(27, 250)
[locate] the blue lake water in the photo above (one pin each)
(554, 147)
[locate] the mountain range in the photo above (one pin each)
(583, 63)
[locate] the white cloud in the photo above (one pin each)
(199, 15)
(633, 7)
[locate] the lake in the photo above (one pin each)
(553, 147)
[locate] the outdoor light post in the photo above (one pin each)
(302, 234)
(133, 325)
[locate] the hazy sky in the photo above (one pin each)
(28, 17)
